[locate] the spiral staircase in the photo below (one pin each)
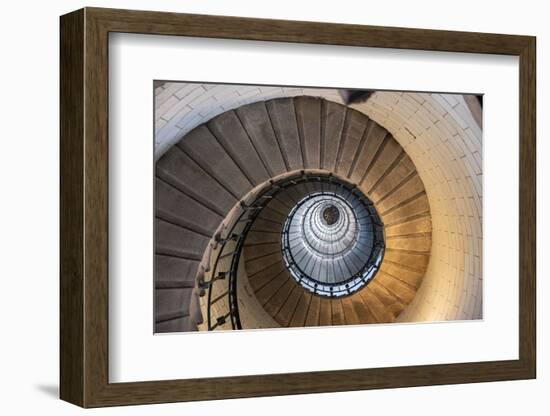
(287, 212)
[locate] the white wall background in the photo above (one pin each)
(447, 156)
(29, 210)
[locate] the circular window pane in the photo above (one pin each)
(333, 242)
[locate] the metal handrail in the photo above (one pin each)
(355, 281)
(230, 241)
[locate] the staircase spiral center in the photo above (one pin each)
(331, 215)
(333, 240)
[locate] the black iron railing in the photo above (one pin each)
(351, 277)
(221, 280)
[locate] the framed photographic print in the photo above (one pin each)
(259, 207)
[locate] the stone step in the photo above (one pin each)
(283, 119)
(385, 159)
(409, 192)
(201, 145)
(286, 312)
(178, 169)
(269, 215)
(276, 301)
(312, 187)
(231, 134)
(414, 242)
(409, 276)
(261, 263)
(184, 324)
(255, 251)
(375, 136)
(268, 290)
(172, 303)
(276, 204)
(300, 312)
(177, 241)
(195, 309)
(291, 195)
(325, 312)
(173, 272)
(297, 192)
(263, 224)
(286, 199)
(366, 316)
(355, 312)
(312, 317)
(391, 303)
(353, 134)
(273, 215)
(175, 206)
(261, 237)
(408, 211)
(392, 179)
(375, 306)
(414, 261)
(332, 123)
(257, 122)
(263, 277)
(308, 117)
(399, 289)
(414, 226)
(337, 309)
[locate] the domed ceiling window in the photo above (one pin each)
(333, 242)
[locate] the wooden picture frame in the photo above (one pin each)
(84, 207)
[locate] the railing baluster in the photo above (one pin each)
(238, 228)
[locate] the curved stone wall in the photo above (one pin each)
(439, 134)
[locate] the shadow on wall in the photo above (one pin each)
(51, 390)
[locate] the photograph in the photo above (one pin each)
(300, 206)
(256, 202)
